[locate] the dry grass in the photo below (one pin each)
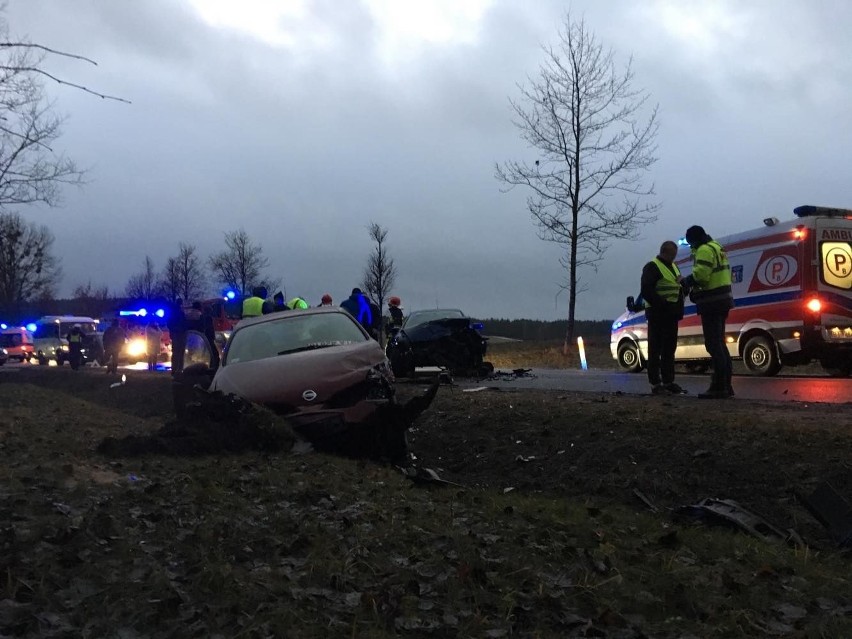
(551, 354)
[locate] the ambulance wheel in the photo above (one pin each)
(760, 357)
(629, 358)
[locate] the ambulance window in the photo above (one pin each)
(837, 264)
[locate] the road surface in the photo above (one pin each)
(780, 388)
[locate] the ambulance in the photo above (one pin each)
(792, 286)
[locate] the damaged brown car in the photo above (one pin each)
(320, 369)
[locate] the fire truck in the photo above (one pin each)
(792, 286)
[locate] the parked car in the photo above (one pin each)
(18, 343)
(438, 337)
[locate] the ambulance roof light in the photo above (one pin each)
(808, 210)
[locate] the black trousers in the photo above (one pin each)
(662, 344)
(713, 325)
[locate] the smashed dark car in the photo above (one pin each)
(439, 337)
(321, 370)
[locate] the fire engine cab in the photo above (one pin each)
(792, 286)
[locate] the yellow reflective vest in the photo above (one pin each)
(711, 273)
(252, 307)
(667, 286)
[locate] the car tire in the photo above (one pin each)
(760, 357)
(629, 357)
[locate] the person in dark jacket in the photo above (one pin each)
(395, 310)
(114, 338)
(663, 300)
(362, 309)
(176, 323)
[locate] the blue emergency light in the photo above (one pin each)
(31, 327)
(3, 327)
(160, 313)
(230, 295)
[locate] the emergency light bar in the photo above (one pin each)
(142, 312)
(808, 210)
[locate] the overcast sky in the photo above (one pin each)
(302, 121)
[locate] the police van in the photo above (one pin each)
(792, 286)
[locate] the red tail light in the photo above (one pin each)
(814, 305)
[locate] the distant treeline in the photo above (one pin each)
(539, 330)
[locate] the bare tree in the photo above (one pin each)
(241, 264)
(91, 301)
(380, 272)
(182, 276)
(31, 170)
(144, 285)
(593, 143)
(28, 269)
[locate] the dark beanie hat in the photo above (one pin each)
(695, 234)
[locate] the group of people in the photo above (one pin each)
(709, 287)
(358, 305)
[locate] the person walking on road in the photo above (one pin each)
(710, 282)
(663, 298)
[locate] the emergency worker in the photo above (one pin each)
(114, 338)
(711, 291)
(326, 300)
(253, 306)
(663, 299)
(297, 304)
(395, 310)
(75, 346)
(153, 341)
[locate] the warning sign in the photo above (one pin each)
(837, 264)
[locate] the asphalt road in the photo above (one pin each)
(780, 388)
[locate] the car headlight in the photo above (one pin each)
(136, 347)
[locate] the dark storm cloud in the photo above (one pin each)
(304, 143)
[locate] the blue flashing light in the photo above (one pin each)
(682, 242)
(3, 327)
(230, 295)
(160, 312)
(478, 326)
(31, 327)
(143, 312)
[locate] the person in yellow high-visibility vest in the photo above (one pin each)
(253, 306)
(663, 297)
(710, 282)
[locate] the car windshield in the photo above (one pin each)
(292, 333)
(62, 328)
(421, 317)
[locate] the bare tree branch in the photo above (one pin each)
(28, 268)
(241, 264)
(586, 187)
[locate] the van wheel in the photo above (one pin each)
(760, 357)
(629, 358)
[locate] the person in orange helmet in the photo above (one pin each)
(395, 310)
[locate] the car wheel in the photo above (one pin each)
(760, 357)
(629, 357)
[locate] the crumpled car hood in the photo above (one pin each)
(284, 379)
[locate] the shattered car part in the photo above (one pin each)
(832, 511)
(439, 337)
(730, 512)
